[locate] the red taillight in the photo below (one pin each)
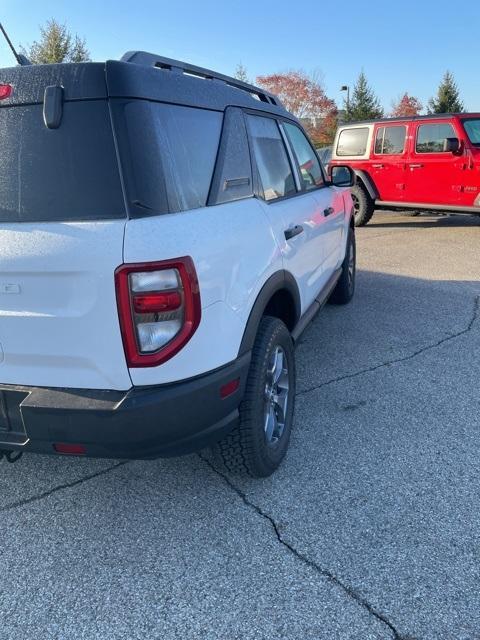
(156, 302)
(159, 309)
(6, 91)
(70, 449)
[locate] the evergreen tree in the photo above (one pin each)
(57, 44)
(448, 97)
(364, 104)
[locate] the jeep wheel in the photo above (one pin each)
(363, 205)
(345, 287)
(259, 443)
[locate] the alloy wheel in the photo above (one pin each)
(276, 395)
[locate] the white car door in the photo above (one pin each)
(294, 214)
(329, 220)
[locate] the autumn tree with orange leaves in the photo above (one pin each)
(305, 97)
(407, 106)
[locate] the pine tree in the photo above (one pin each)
(57, 45)
(364, 104)
(448, 97)
(241, 73)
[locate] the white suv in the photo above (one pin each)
(166, 233)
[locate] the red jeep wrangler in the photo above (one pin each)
(420, 163)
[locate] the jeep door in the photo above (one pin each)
(435, 176)
(388, 161)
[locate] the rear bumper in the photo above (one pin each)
(144, 422)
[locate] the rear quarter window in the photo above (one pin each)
(353, 142)
(65, 174)
(168, 153)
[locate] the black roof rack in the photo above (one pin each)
(432, 116)
(151, 59)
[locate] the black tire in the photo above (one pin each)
(363, 205)
(345, 287)
(248, 449)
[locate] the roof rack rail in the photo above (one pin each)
(150, 59)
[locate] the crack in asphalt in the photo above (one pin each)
(453, 336)
(349, 591)
(325, 573)
(61, 487)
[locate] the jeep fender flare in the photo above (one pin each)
(368, 183)
(279, 281)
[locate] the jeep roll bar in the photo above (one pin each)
(168, 64)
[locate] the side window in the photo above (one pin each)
(310, 171)
(271, 158)
(431, 137)
(168, 154)
(189, 139)
(353, 142)
(390, 140)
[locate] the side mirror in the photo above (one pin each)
(451, 145)
(342, 176)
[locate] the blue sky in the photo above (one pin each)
(402, 46)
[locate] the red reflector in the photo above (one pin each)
(6, 91)
(229, 388)
(157, 302)
(70, 449)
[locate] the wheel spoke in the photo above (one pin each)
(281, 400)
(270, 423)
(276, 395)
(278, 365)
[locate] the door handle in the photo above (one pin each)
(416, 166)
(293, 231)
(377, 166)
(328, 211)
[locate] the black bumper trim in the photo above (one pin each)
(144, 422)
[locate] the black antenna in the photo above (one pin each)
(21, 59)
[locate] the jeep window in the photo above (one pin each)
(65, 174)
(310, 170)
(271, 157)
(353, 142)
(390, 140)
(431, 137)
(472, 127)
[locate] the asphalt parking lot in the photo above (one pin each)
(370, 530)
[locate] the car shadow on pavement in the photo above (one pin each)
(423, 221)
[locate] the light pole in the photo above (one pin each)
(346, 88)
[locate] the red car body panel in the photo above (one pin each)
(434, 179)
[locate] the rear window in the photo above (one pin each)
(168, 154)
(65, 174)
(390, 140)
(353, 142)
